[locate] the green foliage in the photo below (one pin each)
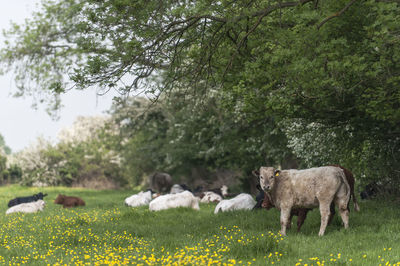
(3, 147)
(178, 136)
(8, 173)
(13, 174)
(234, 75)
(77, 159)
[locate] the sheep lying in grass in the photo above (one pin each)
(140, 199)
(29, 207)
(242, 201)
(183, 199)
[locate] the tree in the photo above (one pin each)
(84, 155)
(184, 136)
(3, 147)
(334, 63)
(120, 44)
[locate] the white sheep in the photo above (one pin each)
(242, 201)
(140, 199)
(27, 207)
(210, 196)
(183, 199)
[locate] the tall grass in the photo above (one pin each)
(105, 231)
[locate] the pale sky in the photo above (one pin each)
(19, 123)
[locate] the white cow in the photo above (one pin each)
(242, 201)
(27, 207)
(210, 196)
(307, 188)
(140, 199)
(183, 199)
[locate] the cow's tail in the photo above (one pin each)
(348, 189)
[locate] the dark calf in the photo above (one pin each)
(20, 200)
(69, 201)
(185, 187)
(259, 198)
(370, 191)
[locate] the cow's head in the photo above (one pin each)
(41, 204)
(40, 195)
(267, 177)
(60, 199)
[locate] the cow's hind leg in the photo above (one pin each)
(324, 208)
(342, 199)
(343, 210)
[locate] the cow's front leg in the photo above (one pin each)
(285, 215)
(325, 211)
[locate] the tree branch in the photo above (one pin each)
(337, 14)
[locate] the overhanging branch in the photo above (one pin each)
(337, 14)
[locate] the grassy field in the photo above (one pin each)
(107, 232)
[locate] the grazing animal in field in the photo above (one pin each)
(69, 201)
(168, 201)
(32, 198)
(242, 201)
(140, 199)
(308, 188)
(160, 182)
(28, 207)
(210, 196)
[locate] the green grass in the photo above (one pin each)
(105, 231)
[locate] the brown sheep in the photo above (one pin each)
(68, 201)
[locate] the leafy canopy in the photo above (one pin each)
(332, 63)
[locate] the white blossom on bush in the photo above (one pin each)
(47, 163)
(34, 163)
(83, 129)
(314, 143)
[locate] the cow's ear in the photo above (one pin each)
(255, 173)
(277, 172)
